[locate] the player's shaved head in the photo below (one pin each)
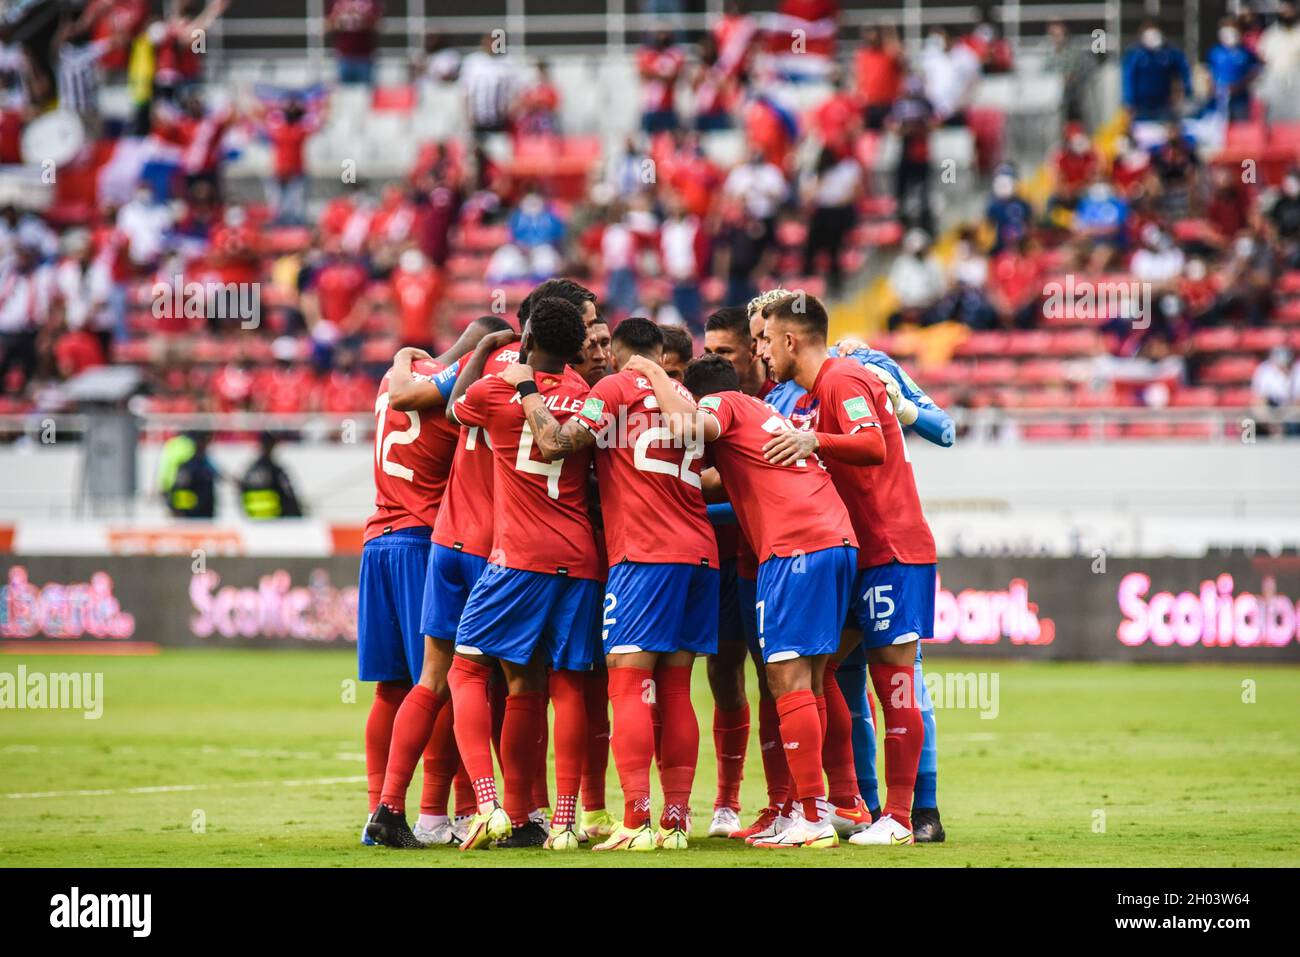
(635, 336)
(709, 374)
(678, 350)
(554, 328)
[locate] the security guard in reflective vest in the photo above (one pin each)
(186, 476)
(265, 490)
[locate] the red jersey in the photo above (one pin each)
(782, 509)
(284, 389)
(881, 499)
(650, 493)
(339, 285)
(540, 508)
(288, 141)
(417, 295)
(465, 519)
(659, 72)
(412, 458)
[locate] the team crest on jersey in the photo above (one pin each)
(549, 383)
(591, 409)
(857, 408)
(711, 402)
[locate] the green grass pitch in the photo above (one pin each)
(227, 758)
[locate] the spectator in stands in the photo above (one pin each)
(912, 119)
(744, 250)
(1233, 68)
(716, 89)
(761, 186)
(967, 298)
(1247, 279)
(24, 298)
(332, 291)
(1159, 261)
(1074, 166)
(266, 491)
(538, 107)
(660, 64)
(1075, 64)
(1130, 167)
(837, 120)
(617, 259)
(733, 37)
(177, 41)
(951, 71)
(1100, 226)
(83, 284)
(831, 191)
(1016, 285)
(418, 292)
(288, 127)
(678, 350)
(694, 177)
(1282, 219)
(683, 251)
(440, 62)
(1227, 211)
(538, 231)
(490, 83)
(879, 68)
(1155, 76)
(1275, 387)
(74, 349)
(916, 279)
(1279, 46)
(345, 387)
(353, 25)
(1174, 174)
(1008, 213)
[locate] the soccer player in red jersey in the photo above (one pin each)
(413, 451)
(850, 416)
(800, 529)
(661, 601)
(536, 602)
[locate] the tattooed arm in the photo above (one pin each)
(551, 439)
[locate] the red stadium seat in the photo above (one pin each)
(1195, 396)
(1223, 339)
(1246, 136)
(1072, 342)
(394, 99)
(1194, 430)
(1048, 431)
(1034, 343)
(1230, 370)
(1289, 283)
(1236, 397)
(1261, 340)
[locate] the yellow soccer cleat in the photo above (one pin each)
(562, 839)
(486, 827)
(673, 839)
(629, 839)
(597, 824)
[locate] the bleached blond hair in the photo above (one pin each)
(766, 298)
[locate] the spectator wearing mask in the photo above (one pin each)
(1247, 279)
(1233, 68)
(537, 231)
(761, 186)
(618, 262)
(660, 64)
(1074, 166)
(288, 128)
(951, 71)
(1279, 46)
(1151, 73)
(683, 247)
(1282, 219)
(539, 105)
(418, 291)
(1275, 387)
(916, 279)
(1100, 225)
(1008, 213)
(912, 119)
(266, 491)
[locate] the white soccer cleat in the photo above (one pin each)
(777, 825)
(886, 832)
(801, 832)
(725, 820)
(435, 836)
(460, 827)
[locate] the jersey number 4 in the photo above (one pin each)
(524, 462)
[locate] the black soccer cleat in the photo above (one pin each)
(531, 834)
(389, 828)
(926, 826)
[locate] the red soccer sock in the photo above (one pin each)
(802, 740)
(567, 697)
(497, 699)
(389, 696)
(904, 736)
(730, 738)
(441, 761)
(775, 768)
(473, 724)
(525, 714)
(657, 720)
(837, 746)
(466, 803)
(681, 742)
(596, 697)
(541, 789)
(632, 741)
(412, 729)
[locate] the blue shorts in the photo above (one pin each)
(451, 575)
(802, 601)
(747, 589)
(729, 606)
(894, 604)
(511, 613)
(390, 644)
(660, 607)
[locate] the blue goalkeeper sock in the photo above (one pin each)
(927, 772)
(852, 677)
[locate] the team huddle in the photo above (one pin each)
(567, 518)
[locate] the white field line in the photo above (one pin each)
(169, 788)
